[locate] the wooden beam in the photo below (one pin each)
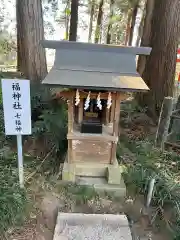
(83, 94)
(115, 126)
(80, 111)
(94, 137)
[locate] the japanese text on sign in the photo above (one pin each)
(16, 104)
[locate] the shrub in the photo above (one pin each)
(53, 126)
(49, 121)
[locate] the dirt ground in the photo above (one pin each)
(50, 197)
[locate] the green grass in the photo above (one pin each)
(12, 198)
(146, 162)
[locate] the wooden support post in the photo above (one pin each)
(70, 127)
(116, 115)
(112, 111)
(164, 122)
(70, 115)
(70, 151)
(107, 115)
(80, 111)
(115, 126)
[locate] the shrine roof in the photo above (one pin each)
(95, 66)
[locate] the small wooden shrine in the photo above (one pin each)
(94, 79)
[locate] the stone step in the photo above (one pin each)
(76, 226)
(91, 169)
(100, 184)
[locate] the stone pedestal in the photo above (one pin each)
(102, 177)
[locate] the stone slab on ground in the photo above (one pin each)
(78, 226)
(100, 184)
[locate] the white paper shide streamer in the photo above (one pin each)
(87, 102)
(109, 101)
(77, 98)
(99, 105)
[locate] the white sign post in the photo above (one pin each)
(17, 114)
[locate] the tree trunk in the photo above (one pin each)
(128, 27)
(133, 22)
(20, 61)
(74, 20)
(67, 17)
(91, 20)
(140, 29)
(140, 32)
(145, 40)
(30, 31)
(108, 38)
(99, 22)
(159, 72)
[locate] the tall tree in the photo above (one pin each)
(145, 41)
(130, 8)
(67, 17)
(99, 22)
(133, 21)
(140, 28)
(74, 20)
(128, 26)
(159, 71)
(30, 31)
(91, 20)
(108, 38)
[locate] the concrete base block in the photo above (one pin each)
(68, 173)
(102, 177)
(114, 174)
(117, 190)
(101, 185)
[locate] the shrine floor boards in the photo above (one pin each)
(78, 226)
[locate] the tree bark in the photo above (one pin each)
(74, 20)
(159, 71)
(20, 61)
(141, 25)
(128, 27)
(99, 22)
(164, 122)
(108, 38)
(140, 32)
(30, 31)
(145, 40)
(67, 17)
(133, 22)
(91, 20)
